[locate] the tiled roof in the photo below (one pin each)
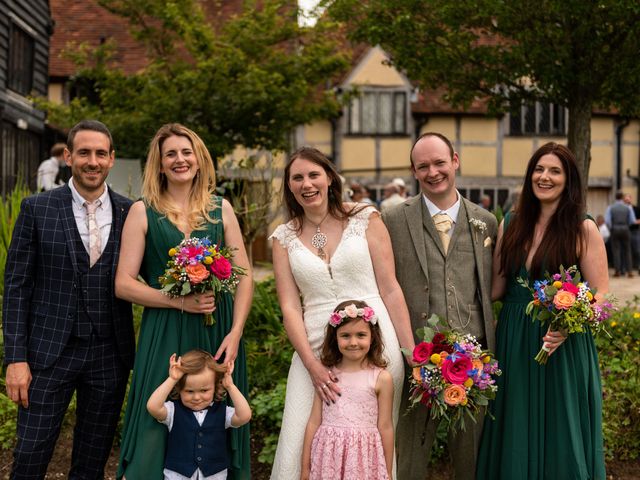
(81, 21)
(430, 101)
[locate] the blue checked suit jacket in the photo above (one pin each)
(40, 297)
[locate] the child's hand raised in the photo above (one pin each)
(227, 380)
(175, 367)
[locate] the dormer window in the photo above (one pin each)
(378, 112)
(538, 119)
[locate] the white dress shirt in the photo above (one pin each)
(104, 216)
(47, 173)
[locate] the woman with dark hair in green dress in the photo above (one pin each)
(548, 418)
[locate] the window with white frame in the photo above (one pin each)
(378, 113)
(538, 119)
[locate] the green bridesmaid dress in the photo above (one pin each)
(548, 419)
(165, 331)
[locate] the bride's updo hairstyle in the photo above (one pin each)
(336, 206)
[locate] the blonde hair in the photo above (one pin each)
(154, 182)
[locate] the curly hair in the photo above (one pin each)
(196, 361)
(331, 355)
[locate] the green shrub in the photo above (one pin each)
(268, 348)
(267, 409)
(620, 367)
(268, 359)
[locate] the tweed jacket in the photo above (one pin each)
(409, 240)
(41, 281)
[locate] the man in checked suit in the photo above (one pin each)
(63, 328)
(450, 277)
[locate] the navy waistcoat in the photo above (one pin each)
(191, 446)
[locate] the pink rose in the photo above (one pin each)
(570, 287)
(422, 352)
(196, 273)
(221, 268)
(455, 368)
(563, 300)
(351, 311)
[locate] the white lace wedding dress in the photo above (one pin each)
(348, 276)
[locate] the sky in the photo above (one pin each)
(306, 6)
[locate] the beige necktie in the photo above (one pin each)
(443, 225)
(94, 231)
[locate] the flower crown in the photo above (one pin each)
(351, 311)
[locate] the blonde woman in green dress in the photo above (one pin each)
(178, 202)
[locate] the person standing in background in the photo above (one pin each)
(619, 217)
(49, 169)
(635, 234)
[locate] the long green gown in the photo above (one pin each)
(165, 331)
(548, 419)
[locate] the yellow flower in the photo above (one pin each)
(636, 314)
(436, 359)
(613, 324)
(486, 359)
(208, 260)
(172, 252)
(557, 284)
(468, 383)
(464, 402)
(590, 296)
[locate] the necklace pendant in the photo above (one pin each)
(321, 254)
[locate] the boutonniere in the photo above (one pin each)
(478, 226)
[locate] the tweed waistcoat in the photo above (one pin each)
(95, 292)
(453, 292)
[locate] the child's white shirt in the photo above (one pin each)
(200, 415)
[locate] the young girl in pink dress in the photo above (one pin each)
(353, 437)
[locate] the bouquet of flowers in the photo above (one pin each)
(196, 265)
(453, 377)
(567, 304)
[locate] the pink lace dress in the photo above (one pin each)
(347, 445)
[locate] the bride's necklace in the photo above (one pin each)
(319, 239)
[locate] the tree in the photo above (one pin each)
(249, 185)
(575, 53)
(248, 78)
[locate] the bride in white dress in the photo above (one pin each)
(328, 252)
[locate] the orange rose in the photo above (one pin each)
(454, 395)
(563, 300)
(477, 364)
(416, 374)
(197, 273)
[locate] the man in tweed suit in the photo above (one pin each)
(63, 328)
(450, 277)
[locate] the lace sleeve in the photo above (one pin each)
(359, 222)
(284, 234)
